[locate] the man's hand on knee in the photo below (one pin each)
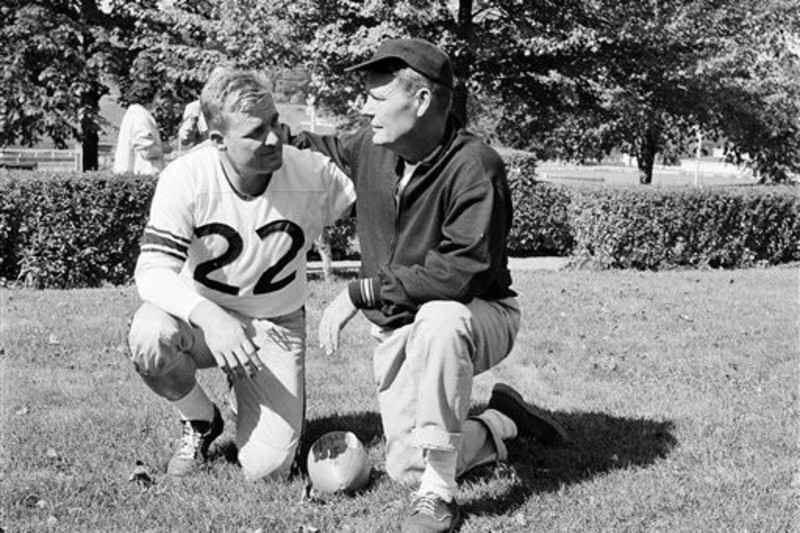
(227, 339)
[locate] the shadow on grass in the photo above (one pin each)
(603, 443)
(366, 425)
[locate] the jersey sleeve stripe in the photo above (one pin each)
(151, 239)
(158, 250)
(166, 234)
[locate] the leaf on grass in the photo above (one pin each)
(31, 500)
(607, 363)
(141, 476)
(22, 411)
(53, 340)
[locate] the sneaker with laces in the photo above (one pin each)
(193, 447)
(432, 514)
(531, 421)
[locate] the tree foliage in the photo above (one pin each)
(53, 75)
(643, 77)
(754, 77)
(573, 79)
(67, 55)
(171, 59)
(324, 37)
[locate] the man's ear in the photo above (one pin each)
(424, 101)
(217, 138)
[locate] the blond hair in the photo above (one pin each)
(230, 90)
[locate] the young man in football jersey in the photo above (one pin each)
(222, 273)
(433, 214)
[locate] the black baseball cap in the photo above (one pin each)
(419, 54)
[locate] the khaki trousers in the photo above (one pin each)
(167, 352)
(424, 373)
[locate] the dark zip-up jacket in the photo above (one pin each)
(445, 240)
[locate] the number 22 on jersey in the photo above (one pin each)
(266, 281)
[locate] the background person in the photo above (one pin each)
(193, 129)
(433, 213)
(222, 273)
(139, 148)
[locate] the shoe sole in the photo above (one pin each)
(544, 428)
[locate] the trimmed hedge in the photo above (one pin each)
(63, 230)
(541, 219)
(646, 228)
(83, 230)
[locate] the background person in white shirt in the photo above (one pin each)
(139, 148)
(222, 273)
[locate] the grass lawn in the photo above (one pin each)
(679, 387)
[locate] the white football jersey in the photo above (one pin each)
(246, 254)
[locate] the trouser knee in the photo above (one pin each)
(442, 334)
(443, 318)
(266, 463)
(154, 341)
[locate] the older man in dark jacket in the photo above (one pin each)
(433, 213)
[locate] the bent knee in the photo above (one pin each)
(154, 338)
(267, 462)
(443, 317)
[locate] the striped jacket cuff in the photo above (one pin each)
(365, 293)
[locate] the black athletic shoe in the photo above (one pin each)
(531, 421)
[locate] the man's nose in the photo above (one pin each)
(369, 107)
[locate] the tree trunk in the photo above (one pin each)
(648, 148)
(90, 100)
(91, 150)
(90, 136)
(463, 59)
(459, 108)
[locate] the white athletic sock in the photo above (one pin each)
(195, 405)
(499, 424)
(439, 476)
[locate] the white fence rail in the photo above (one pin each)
(42, 159)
